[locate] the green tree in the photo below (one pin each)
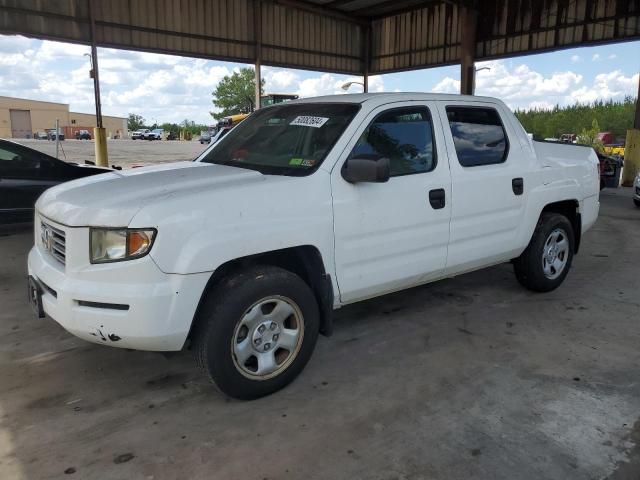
(612, 116)
(135, 122)
(236, 93)
(590, 136)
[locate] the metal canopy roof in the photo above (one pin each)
(347, 36)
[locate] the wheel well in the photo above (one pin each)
(305, 261)
(570, 209)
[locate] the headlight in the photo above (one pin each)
(118, 244)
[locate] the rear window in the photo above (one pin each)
(478, 135)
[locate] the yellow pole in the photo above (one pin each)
(631, 157)
(100, 136)
(632, 149)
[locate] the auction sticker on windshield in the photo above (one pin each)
(308, 121)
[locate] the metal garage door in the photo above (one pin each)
(20, 123)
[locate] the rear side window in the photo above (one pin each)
(21, 165)
(404, 136)
(478, 135)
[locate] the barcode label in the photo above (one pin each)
(307, 121)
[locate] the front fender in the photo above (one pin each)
(201, 231)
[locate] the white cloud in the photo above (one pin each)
(279, 80)
(288, 81)
(521, 87)
(576, 59)
(541, 105)
(596, 57)
(613, 56)
(447, 85)
(606, 86)
(160, 87)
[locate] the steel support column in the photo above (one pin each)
(99, 133)
(469, 23)
(636, 122)
(366, 57)
(257, 24)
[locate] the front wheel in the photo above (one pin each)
(256, 331)
(545, 263)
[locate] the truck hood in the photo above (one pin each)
(112, 199)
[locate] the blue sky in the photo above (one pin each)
(168, 88)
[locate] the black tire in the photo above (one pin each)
(528, 267)
(636, 202)
(221, 314)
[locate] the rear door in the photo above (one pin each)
(390, 236)
(489, 172)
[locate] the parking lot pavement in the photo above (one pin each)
(123, 153)
(471, 377)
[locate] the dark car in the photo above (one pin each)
(26, 173)
(51, 134)
(83, 135)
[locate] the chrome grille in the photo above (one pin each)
(53, 240)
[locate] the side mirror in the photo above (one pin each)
(362, 169)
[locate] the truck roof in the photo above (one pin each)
(381, 98)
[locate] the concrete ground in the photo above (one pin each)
(123, 153)
(468, 378)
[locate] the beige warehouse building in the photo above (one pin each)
(22, 118)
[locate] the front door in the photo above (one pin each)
(393, 235)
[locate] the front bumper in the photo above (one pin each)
(127, 304)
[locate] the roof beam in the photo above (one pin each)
(336, 3)
(322, 10)
(383, 7)
(397, 11)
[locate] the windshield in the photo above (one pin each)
(284, 140)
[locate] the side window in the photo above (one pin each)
(13, 165)
(404, 136)
(478, 135)
(24, 165)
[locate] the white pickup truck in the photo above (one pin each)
(304, 207)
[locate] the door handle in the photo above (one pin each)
(437, 198)
(517, 184)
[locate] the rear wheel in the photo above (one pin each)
(545, 263)
(256, 331)
(637, 202)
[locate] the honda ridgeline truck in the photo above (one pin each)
(304, 207)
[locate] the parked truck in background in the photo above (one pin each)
(155, 134)
(139, 134)
(612, 146)
(304, 207)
